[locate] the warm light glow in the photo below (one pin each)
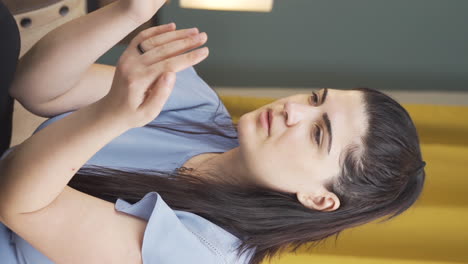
(231, 5)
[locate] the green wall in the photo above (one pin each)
(399, 44)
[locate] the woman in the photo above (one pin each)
(328, 161)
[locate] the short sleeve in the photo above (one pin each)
(166, 238)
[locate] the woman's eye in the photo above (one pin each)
(314, 98)
(317, 135)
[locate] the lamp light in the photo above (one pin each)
(229, 5)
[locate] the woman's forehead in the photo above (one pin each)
(346, 110)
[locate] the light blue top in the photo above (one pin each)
(171, 236)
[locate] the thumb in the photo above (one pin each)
(160, 92)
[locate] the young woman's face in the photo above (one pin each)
(289, 158)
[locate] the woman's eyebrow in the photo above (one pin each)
(324, 96)
(326, 120)
(328, 125)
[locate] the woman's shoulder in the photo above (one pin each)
(191, 91)
(179, 236)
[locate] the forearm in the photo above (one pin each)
(38, 170)
(57, 61)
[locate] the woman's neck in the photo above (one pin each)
(227, 166)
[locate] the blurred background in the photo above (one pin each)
(391, 45)
(415, 51)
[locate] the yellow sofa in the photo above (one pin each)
(435, 229)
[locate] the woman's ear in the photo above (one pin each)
(321, 201)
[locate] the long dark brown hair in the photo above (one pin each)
(383, 176)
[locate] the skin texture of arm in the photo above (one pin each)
(64, 224)
(93, 85)
(37, 170)
(81, 41)
(58, 151)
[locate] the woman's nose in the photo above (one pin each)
(296, 112)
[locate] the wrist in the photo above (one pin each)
(109, 113)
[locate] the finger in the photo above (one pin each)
(178, 63)
(167, 37)
(174, 48)
(159, 93)
(148, 33)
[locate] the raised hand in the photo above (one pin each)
(143, 82)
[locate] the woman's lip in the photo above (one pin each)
(264, 121)
(270, 120)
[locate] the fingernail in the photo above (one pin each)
(202, 51)
(199, 37)
(192, 30)
(203, 36)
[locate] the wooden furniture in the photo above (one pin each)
(37, 18)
